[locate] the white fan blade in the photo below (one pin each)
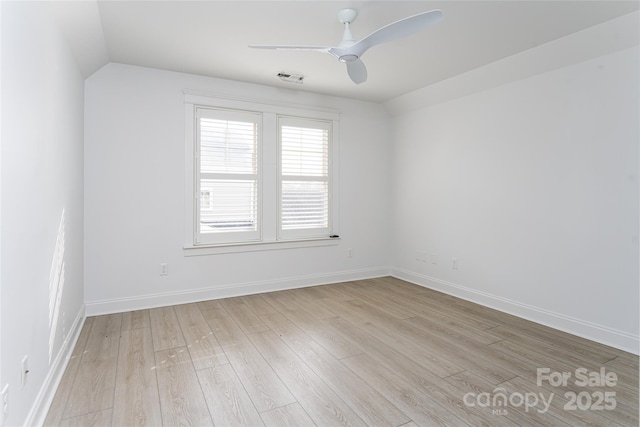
(285, 47)
(402, 28)
(357, 71)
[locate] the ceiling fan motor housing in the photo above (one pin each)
(348, 58)
(347, 15)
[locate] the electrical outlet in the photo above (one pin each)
(164, 269)
(24, 370)
(349, 253)
(454, 263)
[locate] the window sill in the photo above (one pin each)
(232, 248)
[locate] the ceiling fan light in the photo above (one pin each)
(348, 58)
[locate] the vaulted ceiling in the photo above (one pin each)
(211, 38)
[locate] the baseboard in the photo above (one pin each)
(41, 406)
(574, 326)
(591, 331)
(94, 308)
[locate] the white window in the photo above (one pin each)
(304, 185)
(258, 175)
(227, 171)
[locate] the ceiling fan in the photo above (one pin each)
(349, 50)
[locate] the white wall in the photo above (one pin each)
(533, 186)
(134, 196)
(42, 132)
(531, 183)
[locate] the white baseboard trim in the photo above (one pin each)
(40, 407)
(591, 331)
(574, 326)
(118, 305)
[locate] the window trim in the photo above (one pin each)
(270, 111)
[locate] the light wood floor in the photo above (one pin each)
(379, 352)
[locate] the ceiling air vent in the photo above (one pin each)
(291, 78)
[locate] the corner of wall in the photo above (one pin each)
(591, 331)
(609, 37)
(40, 407)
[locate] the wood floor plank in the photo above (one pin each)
(54, 416)
(579, 345)
(277, 301)
(209, 305)
(630, 358)
(135, 320)
(181, 398)
(521, 415)
(384, 327)
(417, 405)
(302, 317)
(224, 327)
(381, 301)
(367, 352)
(244, 317)
(204, 348)
(264, 387)
(391, 361)
(625, 386)
(557, 404)
(94, 419)
(422, 302)
(487, 362)
(335, 291)
(625, 368)
(257, 304)
(335, 343)
(313, 292)
(291, 301)
(292, 415)
(228, 402)
(104, 326)
(626, 412)
(368, 404)
(629, 365)
(532, 338)
(165, 329)
(93, 386)
(454, 325)
(94, 382)
(136, 402)
(317, 307)
(319, 401)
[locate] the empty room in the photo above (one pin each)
(363, 213)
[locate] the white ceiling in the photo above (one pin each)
(211, 38)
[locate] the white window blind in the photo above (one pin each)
(228, 184)
(304, 193)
